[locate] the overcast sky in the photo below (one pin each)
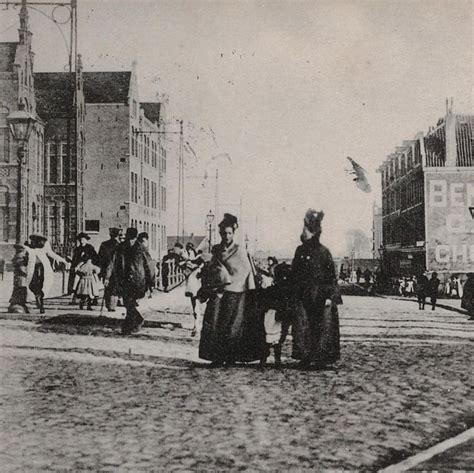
(289, 90)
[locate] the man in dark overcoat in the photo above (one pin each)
(131, 276)
(106, 252)
(316, 324)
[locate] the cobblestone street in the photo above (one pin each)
(82, 397)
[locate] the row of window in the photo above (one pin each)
(144, 147)
(403, 197)
(149, 192)
(401, 164)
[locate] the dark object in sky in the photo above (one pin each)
(360, 176)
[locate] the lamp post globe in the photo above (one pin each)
(20, 123)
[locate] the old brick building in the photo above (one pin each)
(125, 160)
(17, 89)
(417, 170)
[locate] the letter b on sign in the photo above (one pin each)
(438, 193)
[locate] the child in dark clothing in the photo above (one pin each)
(274, 297)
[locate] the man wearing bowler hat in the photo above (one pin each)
(106, 251)
(130, 275)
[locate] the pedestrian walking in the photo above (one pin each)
(367, 276)
(40, 276)
(192, 273)
(20, 280)
(129, 271)
(467, 301)
(232, 328)
(87, 288)
(433, 289)
(422, 288)
(81, 254)
(144, 240)
(358, 274)
(316, 323)
(106, 251)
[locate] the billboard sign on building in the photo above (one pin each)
(449, 196)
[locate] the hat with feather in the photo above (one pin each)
(313, 219)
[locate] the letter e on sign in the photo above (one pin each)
(455, 223)
(438, 193)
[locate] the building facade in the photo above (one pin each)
(60, 104)
(125, 160)
(17, 90)
(407, 177)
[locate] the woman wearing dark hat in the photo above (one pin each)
(316, 325)
(231, 330)
(81, 254)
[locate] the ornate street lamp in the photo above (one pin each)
(21, 123)
(210, 218)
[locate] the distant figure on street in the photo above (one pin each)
(191, 252)
(81, 254)
(20, 282)
(144, 240)
(2, 267)
(367, 276)
(40, 276)
(315, 322)
(271, 263)
(468, 296)
(165, 269)
(130, 273)
(358, 274)
(422, 289)
(192, 273)
(433, 289)
(106, 252)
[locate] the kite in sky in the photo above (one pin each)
(360, 176)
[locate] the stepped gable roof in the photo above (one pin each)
(54, 93)
(7, 56)
(152, 110)
(106, 87)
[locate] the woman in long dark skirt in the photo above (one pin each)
(232, 328)
(316, 324)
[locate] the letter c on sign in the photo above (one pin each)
(442, 253)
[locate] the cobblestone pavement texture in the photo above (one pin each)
(403, 384)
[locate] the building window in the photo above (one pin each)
(51, 163)
(134, 187)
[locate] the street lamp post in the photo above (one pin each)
(21, 123)
(210, 218)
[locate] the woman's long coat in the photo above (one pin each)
(315, 325)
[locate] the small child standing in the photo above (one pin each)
(87, 283)
(275, 296)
